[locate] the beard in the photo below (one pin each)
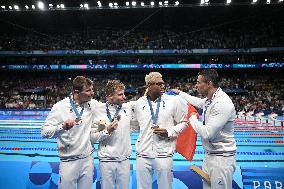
(154, 92)
(86, 99)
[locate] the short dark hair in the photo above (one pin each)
(112, 86)
(210, 75)
(80, 82)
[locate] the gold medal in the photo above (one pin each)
(102, 125)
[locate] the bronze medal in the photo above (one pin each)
(154, 126)
(78, 120)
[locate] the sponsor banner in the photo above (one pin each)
(32, 67)
(23, 112)
(141, 52)
(245, 65)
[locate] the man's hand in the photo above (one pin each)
(194, 113)
(176, 91)
(68, 124)
(161, 132)
(112, 126)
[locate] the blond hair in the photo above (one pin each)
(112, 86)
(150, 78)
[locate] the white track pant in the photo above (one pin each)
(145, 168)
(220, 169)
(115, 174)
(76, 174)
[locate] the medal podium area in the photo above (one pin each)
(28, 161)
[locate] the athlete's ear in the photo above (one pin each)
(210, 82)
(109, 96)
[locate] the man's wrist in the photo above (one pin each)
(61, 127)
(193, 118)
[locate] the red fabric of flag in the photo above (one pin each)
(186, 141)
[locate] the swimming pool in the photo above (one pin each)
(29, 161)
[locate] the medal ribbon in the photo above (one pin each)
(73, 105)
(207, 104)
(156, 115)
(117, 109)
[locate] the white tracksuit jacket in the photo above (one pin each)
(74, 143)
(217, 133)
(115, 146)
(172, 116)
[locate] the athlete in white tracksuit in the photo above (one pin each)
(71, 125)
(114, 141)
(216, 130)
(155, 147)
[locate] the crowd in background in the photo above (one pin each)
(253, 28)
(248, 92)
(130, 59)
(245, 34)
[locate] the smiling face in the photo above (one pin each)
(117, 98)
(86, 94)
(82, 89)
(154, 92)
(159, 83)
(115, 92)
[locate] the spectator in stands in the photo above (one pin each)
(253, 99)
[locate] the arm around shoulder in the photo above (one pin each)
(195, 101)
